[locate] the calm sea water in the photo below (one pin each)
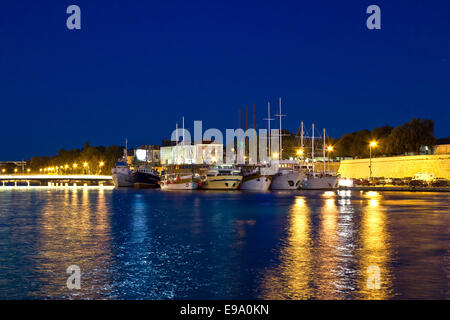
(148, 244)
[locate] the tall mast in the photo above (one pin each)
(126, 149)
(183, 132)
(254, 127)
(301, 136)
(176, 143)
(268, 128)
(312, 148)
(280, 134)
(323, 151)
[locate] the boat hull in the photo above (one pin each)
(123, 180)
(320, 183)
(287, 181)
(180, 186)
(145, 180)
(256, 183)
(222, 183)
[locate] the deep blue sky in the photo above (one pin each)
(136, 67)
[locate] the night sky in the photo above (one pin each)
(136, 67)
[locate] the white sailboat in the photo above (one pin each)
(289, 174)
(319, 181)
(255, 177)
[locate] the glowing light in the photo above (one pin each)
(275, 155)
(300, 152)
(345, 183)
(85, 164)
(15, 170)
(373, 144)
(330, 148)
(28, 170)
(3, 170)
(328, 194)
(75, 165)
(101, 164)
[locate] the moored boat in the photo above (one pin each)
(122, 175)
(222, 178)
(254, 180)
(180, 182)
(145, 178)
(320, 182)
(288, 177)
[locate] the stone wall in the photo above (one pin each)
(397, 167)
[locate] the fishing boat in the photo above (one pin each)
(122, 175)
(145, 178)
(222, 178)
(180, 182)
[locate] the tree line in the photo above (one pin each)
(88, 160)
(404, 139)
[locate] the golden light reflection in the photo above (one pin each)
(292, 278)
(326, 280)
(374, 253)
(75, 231)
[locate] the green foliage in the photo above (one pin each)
(404, 139)
(66, 159)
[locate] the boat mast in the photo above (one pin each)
(312, 149)
(126, 150)
(323, 151)
(268, 129)
(176, 143)
(281, 136)
(301, 136)
(183, 150)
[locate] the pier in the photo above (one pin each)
(56, 180)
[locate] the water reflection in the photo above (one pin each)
(135, 244)
(76, 233)
(375, 278)
(321, 258)
(291, 280)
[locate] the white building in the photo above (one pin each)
(201, 153)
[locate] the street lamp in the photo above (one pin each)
(372, 144)
(329, 149)
(85, 165)
(101, 164)
(275, 155)
(300, 152)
